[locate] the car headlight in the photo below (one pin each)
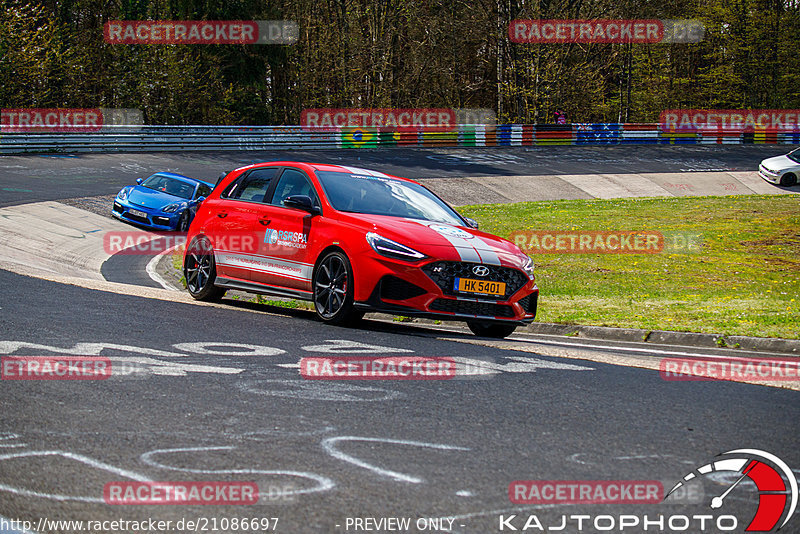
(392, 249)
(123, 194)
(172, 208)
(527, 266)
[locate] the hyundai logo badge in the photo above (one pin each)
(480, 270)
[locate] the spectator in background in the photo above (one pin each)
(561, 117)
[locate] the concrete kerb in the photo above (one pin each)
(667, 337)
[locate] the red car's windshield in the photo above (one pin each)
(376, 195)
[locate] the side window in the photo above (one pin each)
(253, 186)
(293, 182)
(202, 191)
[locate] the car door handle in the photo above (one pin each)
(265, 221)
(222, 215)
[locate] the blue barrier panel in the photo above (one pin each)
(597, 134)
(504, 134)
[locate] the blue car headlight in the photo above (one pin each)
(172, 208)
(123, 194)
(392, 249)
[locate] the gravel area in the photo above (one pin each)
(100, 205)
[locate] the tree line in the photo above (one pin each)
(399, 54)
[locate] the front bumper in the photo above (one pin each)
(768, 175)
(155, 219)
(416, 290)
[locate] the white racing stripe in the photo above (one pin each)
(486, 251)
(470, 248)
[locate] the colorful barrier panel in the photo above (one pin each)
(161, 138)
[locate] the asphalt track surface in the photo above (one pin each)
(414, 448)
(214, 394)
(34, 178)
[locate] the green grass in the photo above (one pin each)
(744, 278)
(177, 264)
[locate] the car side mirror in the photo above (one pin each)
(301, 202)
(200, 199)
(472, 223)
(139, 181)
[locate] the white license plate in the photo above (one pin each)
(137, 213)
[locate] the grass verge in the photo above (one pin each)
(742, 278)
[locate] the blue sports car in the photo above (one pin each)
(164, 201)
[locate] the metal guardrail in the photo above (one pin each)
(196, 138)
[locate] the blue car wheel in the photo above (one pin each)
(183, 222)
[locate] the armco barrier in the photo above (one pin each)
(187, 138)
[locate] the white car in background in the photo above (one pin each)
(781, 170)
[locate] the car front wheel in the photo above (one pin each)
(183, 222)
(496, 330)
(333, 290)
(789, 179)
(200, 271)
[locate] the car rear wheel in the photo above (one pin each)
(789, 179)
(333, 290)
(496, 330)
(200, 271)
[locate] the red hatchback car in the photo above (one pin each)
(352, 240)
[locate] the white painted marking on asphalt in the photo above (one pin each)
(345, 346)
(480, 367)
(323, 483)
(319, 390)
(329, 445)
(151, 269)
(163, 368)
(8, 436)
(473, 366)
(264, 435)
(83, 349)
(202, 347)
(71, 456)
(660, 457)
